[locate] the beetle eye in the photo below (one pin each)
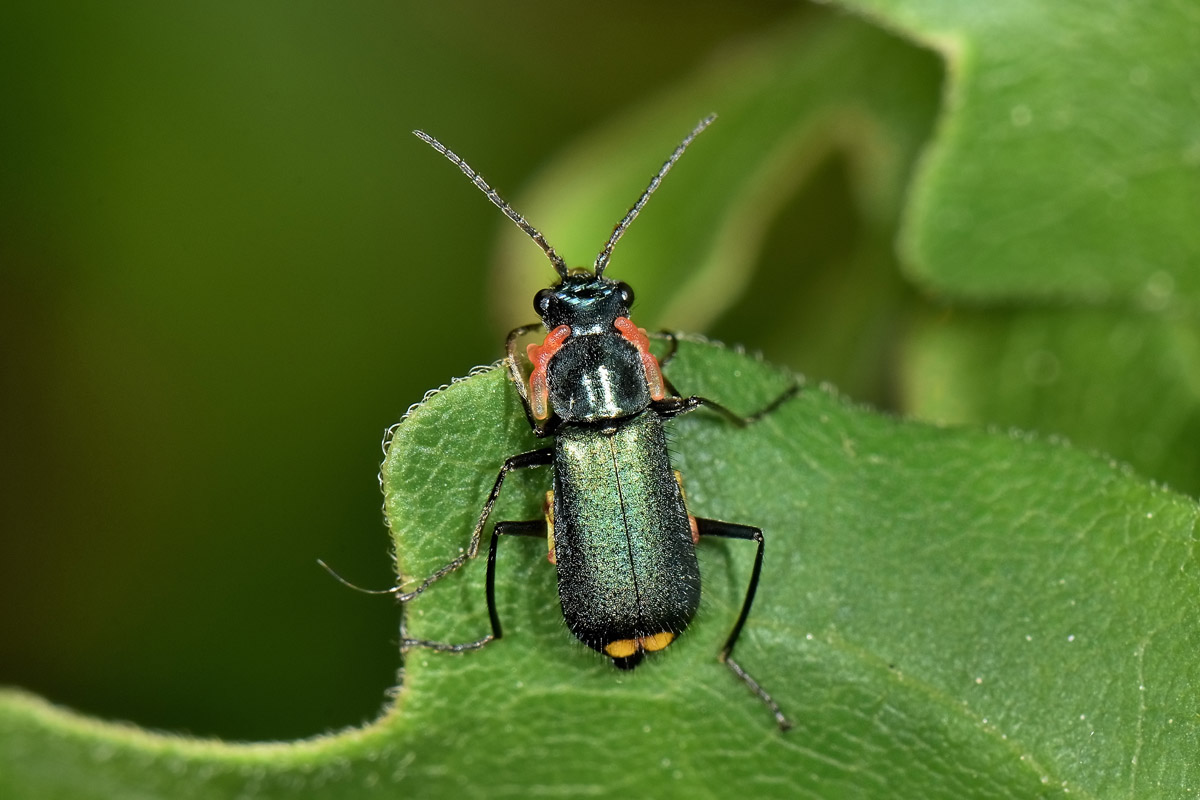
(542, 301)
(626, 294)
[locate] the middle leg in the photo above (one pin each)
(533, 527)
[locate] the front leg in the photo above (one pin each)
(672, 348)
(677, 406)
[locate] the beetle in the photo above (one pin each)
(616, 522)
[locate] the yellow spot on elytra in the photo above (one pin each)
(548, 511)
(691, 520)
(622, 648)
(657, 642)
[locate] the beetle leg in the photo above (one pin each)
(730, 530)
(677, 406)
(533, 527)
(533, 458)
(672, 346)
(791, 391)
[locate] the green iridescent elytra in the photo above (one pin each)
(622, 541)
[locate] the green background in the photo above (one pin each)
(226, 266)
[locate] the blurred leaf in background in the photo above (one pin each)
(225, 267)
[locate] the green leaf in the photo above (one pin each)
(944, 614)
(1067, 164)
(1072, 372)
(1066, 169)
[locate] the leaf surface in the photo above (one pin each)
(944, 613)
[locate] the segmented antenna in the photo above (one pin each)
(560, 266)
(619, 231)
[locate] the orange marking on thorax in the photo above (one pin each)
(540, 355)
(637, 337)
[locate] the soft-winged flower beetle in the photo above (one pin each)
(619, 532)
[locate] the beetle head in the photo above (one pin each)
(585, 301)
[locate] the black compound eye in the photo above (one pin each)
(626, 293)
(543, 301)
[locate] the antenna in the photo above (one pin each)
(356, 587)
(619, 231)
(560, 266)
